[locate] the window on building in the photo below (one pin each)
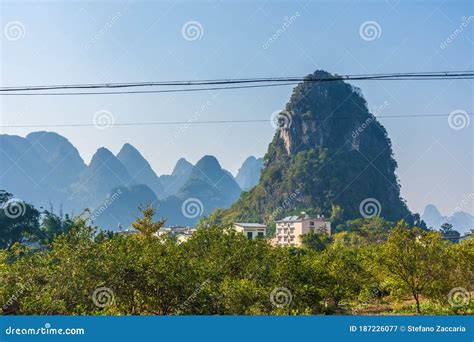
(311, 223)
(260, 234)
(249, 235)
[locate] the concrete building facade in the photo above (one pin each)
(251, 230)
(289, 229)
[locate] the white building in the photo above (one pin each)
(251, 230)
(182, 234)
(466, 235)
(290, 229)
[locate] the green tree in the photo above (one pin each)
(18, 220)
(315, 241)
(146, 226)
(347, 275)
(374, 229)
(53, 225)
(446, 228)
(415, 259)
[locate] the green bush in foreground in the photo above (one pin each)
(220, 272)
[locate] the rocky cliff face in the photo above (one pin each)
(328, 115)
(328, 152)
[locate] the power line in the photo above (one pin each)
(149, 91)
(198, 89)
(209, 122)
(469, 74)
(139, 123)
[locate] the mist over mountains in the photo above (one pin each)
(45, 169)
(249, 173)
(461, 221)
(329, 156)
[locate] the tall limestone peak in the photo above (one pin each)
(56, 150)
(328, 152)
(182, 168)
(207, 167)
(139, 169)
(207, 174)
(104, 172)
(180, 175)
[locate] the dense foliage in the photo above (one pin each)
(218, 271)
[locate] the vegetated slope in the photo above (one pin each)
(328, 156)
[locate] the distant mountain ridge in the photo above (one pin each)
(45, 168)
(249, 173)
(208, 177)
(139, 169)
(39, 167)
(104, 172)
(209, 187)
(180, 175)
(461, 221)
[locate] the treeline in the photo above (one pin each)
(218, 271)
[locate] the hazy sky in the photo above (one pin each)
(97, 42)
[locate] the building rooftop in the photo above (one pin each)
(299, 218)
(250, 225)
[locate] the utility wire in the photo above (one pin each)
(149, 91)
(210, 122)
(469, 74)
(185, 90)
